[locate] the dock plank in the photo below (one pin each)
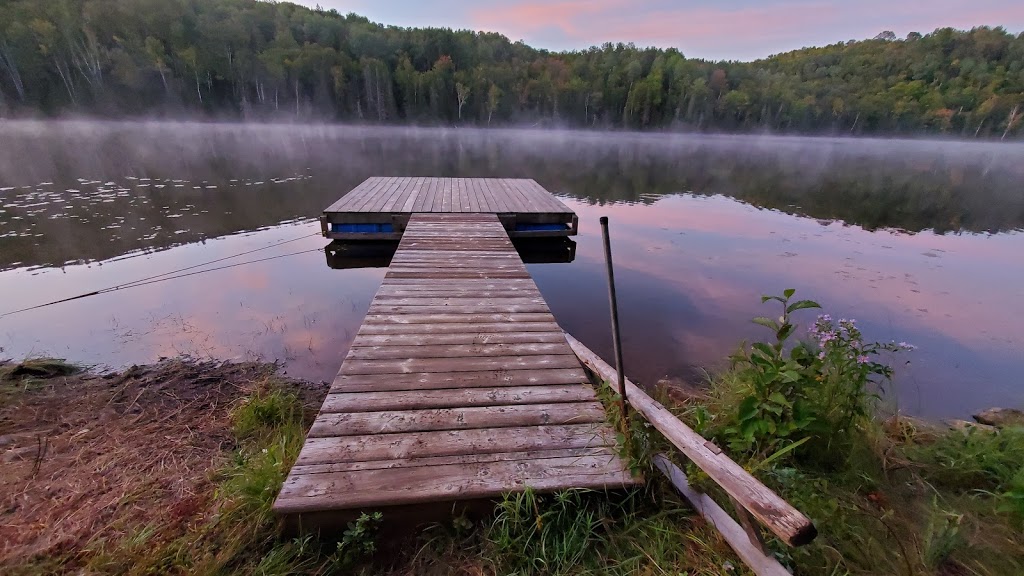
(396, 486)
(460, 418)
(459, 384)
(451, 442)
(488, 380)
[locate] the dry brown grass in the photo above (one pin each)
(90, 461)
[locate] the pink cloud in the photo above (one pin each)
(522, 19)
(793, 23)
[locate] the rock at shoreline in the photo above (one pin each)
(967, 426)
(678, 390)
(1001, 417)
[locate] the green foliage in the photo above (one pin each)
(973, 460)
(358, 540)
(941, 536)
(241, 537)
(533, 534)
(32, 370)
(254, 58)
(804, 398)
(580, 532)
(977, 462)
(265, 411)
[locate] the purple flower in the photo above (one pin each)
(863, 359)
(821, 355)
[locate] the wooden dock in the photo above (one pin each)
(380, 207)
(459, 385)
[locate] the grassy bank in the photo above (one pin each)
(889, 494)
(172, 469)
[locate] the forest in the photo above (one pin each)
(248, 59)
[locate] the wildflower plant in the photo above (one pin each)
(805, 396)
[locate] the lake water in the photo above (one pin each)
(920, 241)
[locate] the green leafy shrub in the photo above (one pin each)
(358, 541)
(805, 397)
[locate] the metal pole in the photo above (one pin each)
(615, 323)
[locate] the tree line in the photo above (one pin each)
(253, 59)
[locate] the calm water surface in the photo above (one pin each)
(919, 241)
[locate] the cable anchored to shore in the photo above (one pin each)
(173, 274)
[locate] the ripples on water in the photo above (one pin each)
(919, 240)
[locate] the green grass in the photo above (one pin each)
(907, 498)
(647, 530)
(237, 533)
(31, 373)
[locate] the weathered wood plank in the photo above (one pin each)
(411, 365)
(455, 351)
(380, 308)
(488, 381)
(461, 338)
(451, 442)
(399, 400)
(437, 196)
(733, 534)
(396, 486)
(470, 327)
(461, 418)
(449, 300)
(525, 318)
(392, 294)
(457, 459)
(459, 383)
(788, 523)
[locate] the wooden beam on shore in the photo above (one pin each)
(732, 532)
(785, 521)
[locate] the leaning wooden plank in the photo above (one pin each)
(411, 365)
(484, 379)
(605, 451)
(733, 534)
(343, 490)
(791, 526)
(450, 442)
(460, 418)
(455, 351)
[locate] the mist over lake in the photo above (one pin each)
(921, 238)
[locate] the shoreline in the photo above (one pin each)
(173, 466)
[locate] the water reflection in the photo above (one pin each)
(75, 192)
(701, 225)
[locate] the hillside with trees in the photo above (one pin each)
(245, 59)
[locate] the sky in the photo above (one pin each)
(715, 30)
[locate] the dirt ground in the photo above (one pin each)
(85, 456)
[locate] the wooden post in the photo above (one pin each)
(752, 553)
(616, 339)
(774, 513)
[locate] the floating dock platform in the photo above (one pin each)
(380, 207)
(459, 386)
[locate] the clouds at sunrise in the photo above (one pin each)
(741, 30)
